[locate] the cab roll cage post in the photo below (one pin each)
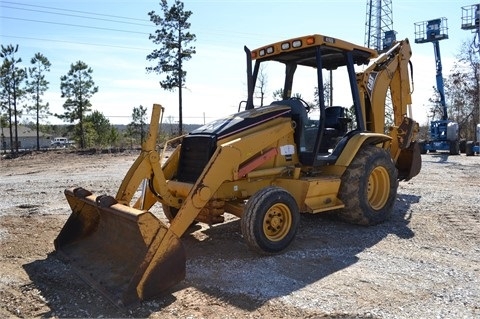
(355, 94)
(321, 101)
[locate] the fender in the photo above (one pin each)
(356, 142)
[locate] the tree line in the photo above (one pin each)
(462, 92)
(22, 89)
(22, 92)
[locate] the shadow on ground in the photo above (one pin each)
(67, 296)
(221, 266)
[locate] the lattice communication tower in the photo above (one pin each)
(379, 33)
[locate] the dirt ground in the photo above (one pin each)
(423, 263)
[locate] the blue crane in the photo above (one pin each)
(439, 79)
(443, 132)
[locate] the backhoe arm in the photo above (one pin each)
(390, 71)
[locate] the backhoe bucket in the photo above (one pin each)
(125, 253)
(409, 162)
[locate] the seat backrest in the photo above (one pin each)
(332, 115)
(299, 115)
(297, 107)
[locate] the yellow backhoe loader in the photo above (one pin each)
(264, 164)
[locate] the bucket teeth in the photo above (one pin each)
(81, 192)
(106, 201)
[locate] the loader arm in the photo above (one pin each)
(224, 166)
(145, 167)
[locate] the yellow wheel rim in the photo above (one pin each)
(378, 187)
(277, 222)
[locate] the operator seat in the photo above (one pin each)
(335, 127)
(335, 120)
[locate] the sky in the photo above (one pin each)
(112, 37)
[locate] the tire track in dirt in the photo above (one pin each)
(467, 223)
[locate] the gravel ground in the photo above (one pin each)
(423, 263)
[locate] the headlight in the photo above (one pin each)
(297, 43)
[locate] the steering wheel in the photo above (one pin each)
(305, 104)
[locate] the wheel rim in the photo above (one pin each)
(378, 187)
(277, 222)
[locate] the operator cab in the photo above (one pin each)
(325, 76)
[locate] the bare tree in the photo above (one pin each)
(262, 80)
(462, 91)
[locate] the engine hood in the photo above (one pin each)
(238, 122)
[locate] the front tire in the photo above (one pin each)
(369, 187)
(270, 220)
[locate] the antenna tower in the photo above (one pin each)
(379, 33)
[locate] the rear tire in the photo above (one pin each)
(469, 149)
(423, 147)
(270, 220)
(454, 148)
(463, 145)
(369, 187)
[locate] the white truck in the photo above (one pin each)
(60, 142)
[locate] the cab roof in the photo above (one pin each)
(301, 51)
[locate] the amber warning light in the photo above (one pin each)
(310, 40)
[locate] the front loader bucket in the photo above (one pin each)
(125, 253)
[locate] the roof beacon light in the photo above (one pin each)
(310, 40)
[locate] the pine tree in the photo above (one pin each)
(12, 77)
(36, 87)
(174, 49)
(138, 125)
(77, 87)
